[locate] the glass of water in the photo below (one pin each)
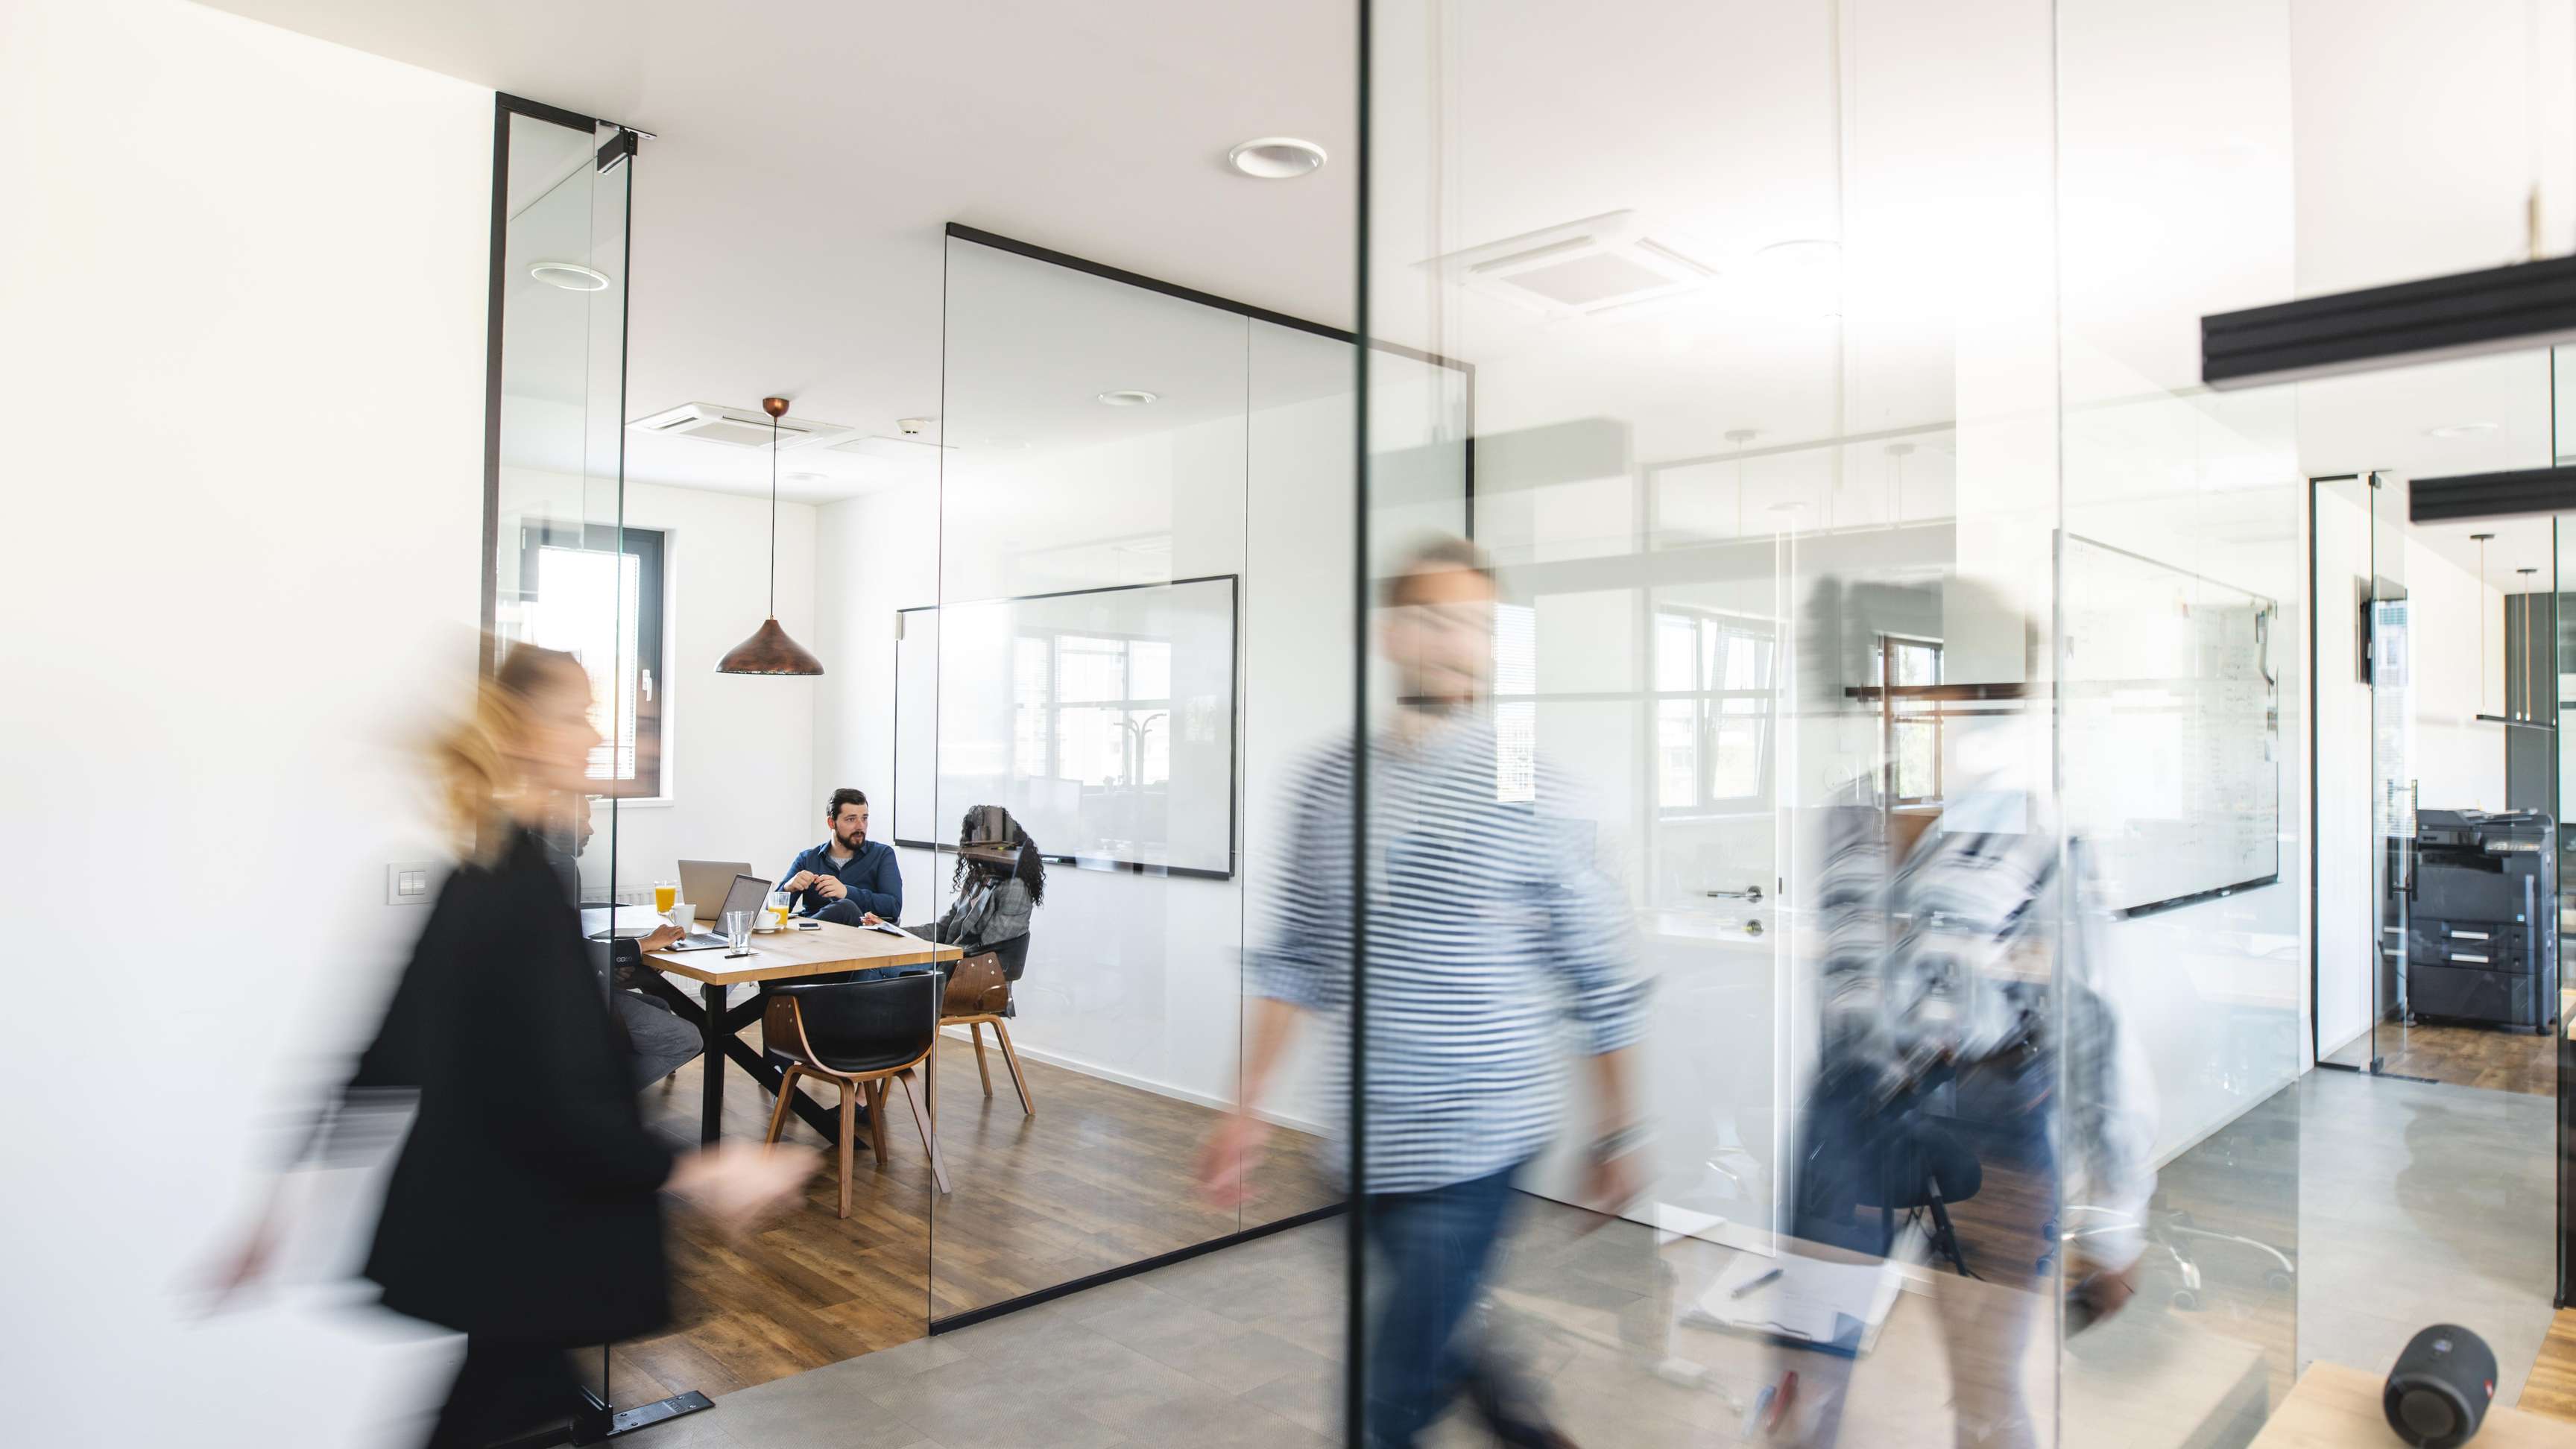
(737, 931)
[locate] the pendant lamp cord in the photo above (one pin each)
(774, 517)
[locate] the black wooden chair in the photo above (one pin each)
(859, 1035)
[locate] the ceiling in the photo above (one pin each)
(788, 218)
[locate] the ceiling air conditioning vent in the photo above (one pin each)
(1580, 269)
(897, 450)
(736, 427)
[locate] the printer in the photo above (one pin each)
(2482, 920)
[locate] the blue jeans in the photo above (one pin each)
(1434, 1250)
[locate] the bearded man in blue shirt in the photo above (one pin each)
(848, 878)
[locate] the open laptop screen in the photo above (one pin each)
(747, 894)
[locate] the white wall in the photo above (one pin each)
(872, 555)
(256, 263)
(739, 749)
(2458, 761)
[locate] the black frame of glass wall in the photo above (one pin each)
(592, 1419)
(959, 231)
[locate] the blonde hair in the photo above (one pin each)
(476, 758)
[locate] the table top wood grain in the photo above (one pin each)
(2336, 1405)
(790, 953)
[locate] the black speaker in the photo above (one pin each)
(2439, 1391)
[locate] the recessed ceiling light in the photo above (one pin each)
(807, 477)
(2460, 430)
(569, 276)
(1276, 158)
(1129, 397)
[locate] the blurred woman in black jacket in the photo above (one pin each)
(525, 1209)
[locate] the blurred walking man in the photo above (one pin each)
(1488, 921)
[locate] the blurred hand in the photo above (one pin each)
(245, 1264)
(738, 1185)
(801, 880)
(1225, 1162)
(829, 887)
(1611, 1183)
(2108, 1290)
(871, 918)
(662, 936)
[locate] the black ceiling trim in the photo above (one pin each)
(1032, 250)
(2523, 305)
(2493, 495)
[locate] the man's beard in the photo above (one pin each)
(851, 843)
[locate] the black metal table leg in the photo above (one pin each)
(711, 1076)
(721, 1031)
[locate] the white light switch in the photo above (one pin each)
(407, 883)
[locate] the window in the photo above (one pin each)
(597, 595)
(1913, 725)
(1094, 708)
(1713, 682)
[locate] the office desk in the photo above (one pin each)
(779, 956)
(2335, 1406)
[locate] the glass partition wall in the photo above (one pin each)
(560, 571)
(1139, 644)
(1891, 643)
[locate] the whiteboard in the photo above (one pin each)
(1102, 719)
(2172, 729)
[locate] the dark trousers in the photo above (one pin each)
(1434, 1249)
(506, 1387)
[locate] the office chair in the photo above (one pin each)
(859, 1035)
(1933, 1170)
(986, 998)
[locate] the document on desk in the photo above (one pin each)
(891, 929)
(1834, 1306)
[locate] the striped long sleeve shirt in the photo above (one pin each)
(1490, 926)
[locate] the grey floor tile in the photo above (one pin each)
(885, 1368)
(1072, 1389)
(1313, 1402)
(1222, 1422)
(702, 1430)
(800, 1413)
(1209, 1347)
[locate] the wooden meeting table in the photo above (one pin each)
(785, 955)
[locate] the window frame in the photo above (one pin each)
(1932, 718)
(1126, 704)
(650, 547)
(1709, 700)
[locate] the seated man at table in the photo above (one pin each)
(848, 878)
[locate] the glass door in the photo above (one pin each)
(562, 572)
(2366, 787)
(2393, 785)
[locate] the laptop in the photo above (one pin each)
(703, 883)
(747, 893)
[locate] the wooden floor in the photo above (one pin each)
(2551, 1389)
(2468, 1056)
(1100, 1177)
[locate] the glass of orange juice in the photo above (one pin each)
(778, 904)
(666, 894)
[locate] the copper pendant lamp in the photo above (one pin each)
(769, 650)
